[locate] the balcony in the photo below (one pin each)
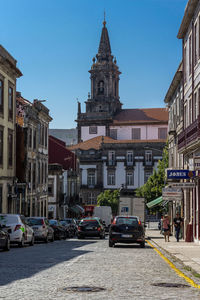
(190, 134)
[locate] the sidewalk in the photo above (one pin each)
(187, 253)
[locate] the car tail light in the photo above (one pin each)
(17, 227)
(139, 223)
(114, 221)
(99, 228)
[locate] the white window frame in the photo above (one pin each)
(129, 158)
(148, 157)
(91, 178)
(111, 177)
(129, 178)
(111, 158)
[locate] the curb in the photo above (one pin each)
(173, 256)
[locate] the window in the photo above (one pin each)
(111, 158)
(129, 158)
(10, 149)
(34, 175)
(30, 138)
(50, 189)
(93, 130)
(136, 133)
(195, 44)
(1, 145)
(113, 134)
(91, 199)
(1, 96)
(45, 137)
(190, 54)
(101, 87)
(1, 198)
(184, 60)
(111, 177)
(146, 176)
(195, 107)
(29, 174)
(34, 139)
(39, 178)
(91, 178)
(148, 157)
(162, 133)
(129, 178)
(10, 103)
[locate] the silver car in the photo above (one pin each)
(20, 233)
(42, 230)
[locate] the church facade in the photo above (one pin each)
(117, 148)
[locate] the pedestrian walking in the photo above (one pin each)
(178, 221)
(166, 227)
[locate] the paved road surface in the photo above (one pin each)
(125, 272)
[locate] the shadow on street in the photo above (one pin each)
(20, 263)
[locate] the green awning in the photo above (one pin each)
(155, 202)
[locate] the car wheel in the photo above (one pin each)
(32, 241)
(111, 244)
(7, 246)
(22, 243)
(142, 245)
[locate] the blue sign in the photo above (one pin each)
(180, 174)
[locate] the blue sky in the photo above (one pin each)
(54, 43)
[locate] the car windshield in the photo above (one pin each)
(89, 223)
(33, 221)
(127, 221)
(53, 222)
(7, 219)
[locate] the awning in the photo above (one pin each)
(155, 202)
(77, 209)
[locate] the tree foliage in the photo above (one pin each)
(109, 198)
(153, 187)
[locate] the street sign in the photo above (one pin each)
(183, 185)
(197, 163)
(180, 174)
(172, 194)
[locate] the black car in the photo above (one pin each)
(59, 229)
(4, 238)
(91, 227)
(126, 229)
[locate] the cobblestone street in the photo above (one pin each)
(125, 272)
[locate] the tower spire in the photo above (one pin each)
(104, 52)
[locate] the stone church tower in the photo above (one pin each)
(103, 102)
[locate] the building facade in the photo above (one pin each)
(8, 75)
(118, 148)
(189, 138)
(32, 125)
(63, 181)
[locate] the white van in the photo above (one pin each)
(104, 213)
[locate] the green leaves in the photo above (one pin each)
(109, 198)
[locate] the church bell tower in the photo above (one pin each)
(103, 100)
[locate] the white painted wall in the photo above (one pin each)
(148, 132)
(101, 130)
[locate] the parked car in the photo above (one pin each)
(91, 227)
(19, 231)
(42, 229)
(59, 229)
(126, 229)
(73, 225)
(4, 238)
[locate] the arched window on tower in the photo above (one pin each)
(101, 88)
